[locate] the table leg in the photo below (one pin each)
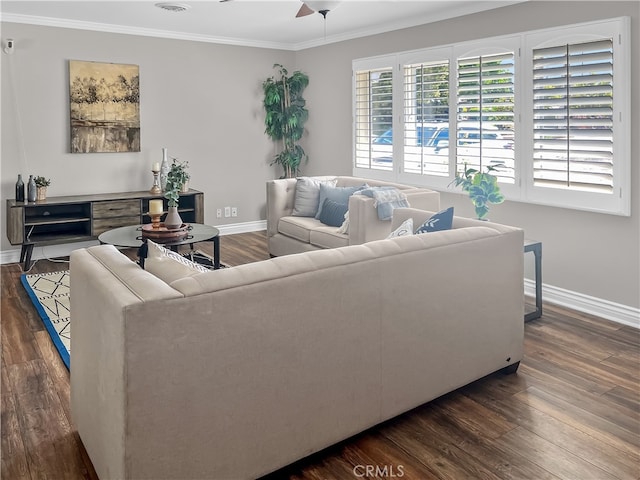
(25, 254)
(143, 251)
(536, 249)
(216, 252)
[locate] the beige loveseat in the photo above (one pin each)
(234, 373)
(288, 234)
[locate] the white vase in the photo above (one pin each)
(173, 219)
(164, 170)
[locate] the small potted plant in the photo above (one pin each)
(176, 178)
(41, 187)
(482, 188)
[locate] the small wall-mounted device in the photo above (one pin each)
(9, 45)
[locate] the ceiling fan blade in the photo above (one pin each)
(304, 11)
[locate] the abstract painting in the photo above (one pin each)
(105, 107)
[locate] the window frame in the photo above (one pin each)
(523, 189)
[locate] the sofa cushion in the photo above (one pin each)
(333, 213)
(298, 227)
(307, 196)
(443, 220)
(328, 237)
(336, 194)
(406, 228)
(169, 266)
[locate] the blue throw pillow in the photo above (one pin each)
(443, 220)
(332, 213)
(335, 194)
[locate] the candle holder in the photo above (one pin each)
(155, 189)
(155, 219)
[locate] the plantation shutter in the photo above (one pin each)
(426, 118)
(374, 119)
(573, 116)
(485, 113)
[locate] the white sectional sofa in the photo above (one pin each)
(235, 373)
(287, 233)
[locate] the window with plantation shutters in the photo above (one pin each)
(550, 108)
(485, 114)
(426, 118)
(573, 116)
(373, 118)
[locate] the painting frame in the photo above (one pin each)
(104, 107)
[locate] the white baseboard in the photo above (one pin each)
(615, 312)
(64, 250)
(242, 227)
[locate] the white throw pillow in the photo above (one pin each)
(169, 266)
(344, 228)
(403, 230)
(307, 197)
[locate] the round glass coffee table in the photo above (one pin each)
(131, 236)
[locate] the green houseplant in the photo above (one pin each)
(41, 187)
(285, 117)
(482, 188)
(176, 178)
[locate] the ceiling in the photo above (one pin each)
(266, 23)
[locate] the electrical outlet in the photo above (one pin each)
(219, 213)
(234, 211)
(227, 212)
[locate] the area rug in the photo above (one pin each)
(49, 293)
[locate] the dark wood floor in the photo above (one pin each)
(571, 412)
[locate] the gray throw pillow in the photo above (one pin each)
(333, 213)
(336, 194)
(307, 197)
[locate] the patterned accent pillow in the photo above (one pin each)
(169, 266)
(333, 213)
(307, 197)
(443, 220)
(403, 230)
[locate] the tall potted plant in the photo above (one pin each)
(176, 178)
(482, 188)
(285, 117)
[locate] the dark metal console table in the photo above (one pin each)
(535, 247)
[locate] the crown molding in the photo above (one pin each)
(461, 10)
(143, 32)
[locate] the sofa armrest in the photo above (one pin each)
(364, 224)
(420, 216)
(280, 197)
(424, 199)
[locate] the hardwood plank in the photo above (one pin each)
(49, 441)
(601, 429)
(564, 435)
(550, 457)
(627, 398)
(18, 343)
(592, 402)
(14, 460)
(56, 370)
(506, 464)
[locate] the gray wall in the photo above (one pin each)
(203, 102)
(594, 254)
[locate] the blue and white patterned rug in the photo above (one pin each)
(49, 293)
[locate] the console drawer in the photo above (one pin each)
(117, 208)
(101, 225)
